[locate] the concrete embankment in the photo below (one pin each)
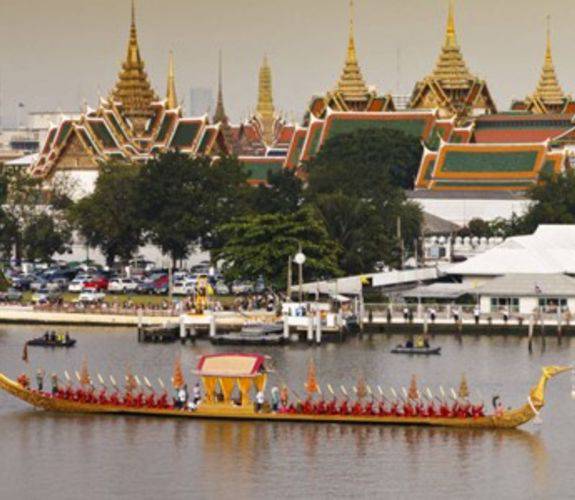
(29, 315)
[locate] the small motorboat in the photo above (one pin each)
(253, 334)
(52, 341)
(426, 351)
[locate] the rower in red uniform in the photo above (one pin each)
(357, 408)
(332, 407)
(368, 410)
(151, 400)
(321, 408)
(162, 402)
(344, 408)
(103, 397)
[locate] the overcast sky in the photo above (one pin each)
(56, 53)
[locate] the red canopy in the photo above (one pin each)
(230, 365)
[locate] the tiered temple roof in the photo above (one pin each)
(548, 96)
(451, 87)
(487, 167)
(351, 92)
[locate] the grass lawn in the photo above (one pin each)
(143, 300)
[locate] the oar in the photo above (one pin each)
(113, 380)
(454, 394)
(344, 391)
(137, 380)
(148, 384)
(67, 375)
(404, 391)
(161, 382)
(330, 389)
(78, 376)
(101, 380)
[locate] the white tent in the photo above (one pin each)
(549, 250)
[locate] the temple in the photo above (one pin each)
(351, 92)
(468, 145)
(451, 87)
(548, 97)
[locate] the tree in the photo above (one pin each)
(182, 200)
(32, 218)
(366, 160)
(44, 236)
(108, 218)
(357, 182)
(261, 245)
(553, 202)
(283, 193)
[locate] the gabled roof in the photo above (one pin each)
(529, 285)
(520, 127)
(487, 166)
(419, 124)
(549, 250)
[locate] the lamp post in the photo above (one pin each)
(299, 259)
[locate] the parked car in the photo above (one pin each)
(221, 288)
(11, 295)
(77, 285)
(22, 282)
(91, 296)
(153, 283)
(184, 287)
(242, 287)
(122, 285)
(98, 283)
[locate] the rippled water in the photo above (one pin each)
(54, 456)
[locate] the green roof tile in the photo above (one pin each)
(488, 161)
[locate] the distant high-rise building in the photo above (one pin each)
(201, 101)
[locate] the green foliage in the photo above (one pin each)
(24, 213)
(108, 218)
(44, 236)
(182, 200)
(357, 182)
(282, 194)
(553, 202)
(261, 245)
(365, 162)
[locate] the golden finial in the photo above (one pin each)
(450, 37)
(265, 108)
(171, 96)
(133, 90)
(351, 85)
(351, 53)
(220, 113)
(549, 90)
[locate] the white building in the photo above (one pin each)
(549, 250)
(527, 294)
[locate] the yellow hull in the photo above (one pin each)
(509, 419)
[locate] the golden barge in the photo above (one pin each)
(246, 372)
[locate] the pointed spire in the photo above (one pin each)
(220, 113)
(549, 90)
(351, 84)
(450, 36)
(451, 70)
(265, 108)
(133, 90)
(171, 96)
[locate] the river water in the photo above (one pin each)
(52, 456)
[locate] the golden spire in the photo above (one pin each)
(265, 108)
(451, 70)
(220, 113)
(133, 90)
(171, 96)
(548, 90)
(351, 84)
